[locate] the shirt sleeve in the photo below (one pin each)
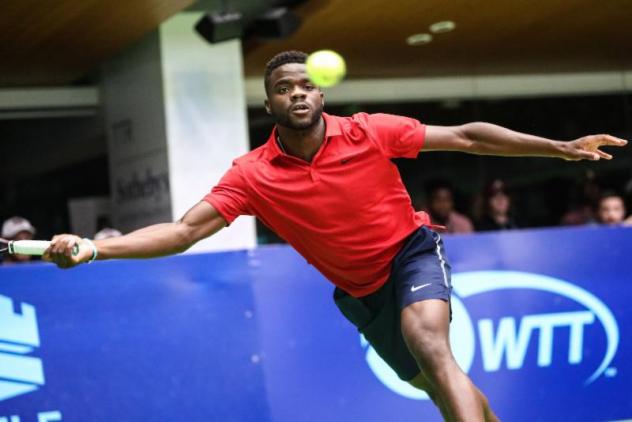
(229, 197)
(396, 136)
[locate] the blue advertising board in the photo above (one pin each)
(540, 324)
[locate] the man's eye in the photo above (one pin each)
(310, 87)
(282, 90)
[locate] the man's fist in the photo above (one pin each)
(60, 251)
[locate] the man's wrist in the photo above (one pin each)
(93, 248)
(561, 149)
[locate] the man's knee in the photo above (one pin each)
(433, 356)
(430, 342)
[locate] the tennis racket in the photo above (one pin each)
(27, 247)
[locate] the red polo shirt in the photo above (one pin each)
(347, 212)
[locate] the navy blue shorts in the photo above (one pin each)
(420, 271)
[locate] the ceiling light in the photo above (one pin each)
(419, 39)
(441, 27)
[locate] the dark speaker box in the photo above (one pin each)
(275, 23)
(220, 27)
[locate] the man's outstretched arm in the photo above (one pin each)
(488, 139)
(153, 241)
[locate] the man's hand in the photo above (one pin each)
(587, 148)
(60, 251)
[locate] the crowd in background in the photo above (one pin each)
(492, 209)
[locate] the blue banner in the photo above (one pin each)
(540, 324)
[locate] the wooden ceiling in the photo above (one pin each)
(59, 42)
(493, 36)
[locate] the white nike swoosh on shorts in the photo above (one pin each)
(415, 288)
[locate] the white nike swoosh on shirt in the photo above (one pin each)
(415, 288)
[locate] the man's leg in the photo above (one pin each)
(422, 383)
(425, 327)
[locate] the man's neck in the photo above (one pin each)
(303, 144)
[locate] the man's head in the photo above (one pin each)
(292, 99)
(440, 199)
(18, 228)
(610, 208)
(497, 200)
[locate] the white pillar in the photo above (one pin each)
(137, 142)
(176, 116)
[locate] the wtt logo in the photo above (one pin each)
(504, 342)
(19, 374)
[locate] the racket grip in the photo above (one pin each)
(33, 247)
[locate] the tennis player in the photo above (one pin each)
(327, 185)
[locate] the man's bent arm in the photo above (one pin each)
(488, 139)
(199, 222)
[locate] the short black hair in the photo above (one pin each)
(280, 59)
(608, 193)
(431, 187)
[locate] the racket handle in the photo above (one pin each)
(33, 247)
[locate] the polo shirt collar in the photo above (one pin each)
(332, 128)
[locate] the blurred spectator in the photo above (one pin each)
(106, 233)
(477, 206)
(628, 201)
(497, 209)
(17, 228)
(440, 197)
(582, 210)
(610, 209)
(105, 230)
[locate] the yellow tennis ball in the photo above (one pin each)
(325, 67)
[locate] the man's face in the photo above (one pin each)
(611, 210)
(499, 204)
(293, 100)
(442, 203)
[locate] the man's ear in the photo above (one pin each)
(266, 104)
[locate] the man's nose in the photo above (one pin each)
(298, 92)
